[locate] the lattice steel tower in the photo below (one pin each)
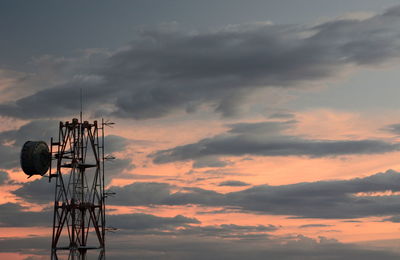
(79, 203)
(79, 206)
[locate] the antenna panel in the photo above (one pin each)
(35, 158)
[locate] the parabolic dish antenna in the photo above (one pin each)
(35, 158)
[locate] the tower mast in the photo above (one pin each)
(79, 206)
(79, 200)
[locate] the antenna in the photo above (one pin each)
(80, 113)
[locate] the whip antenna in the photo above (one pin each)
(80, 95)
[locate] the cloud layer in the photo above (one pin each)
(267, 139)
(167, 70)
(322, 199)
(193, 247)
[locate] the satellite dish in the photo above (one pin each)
(35, 158)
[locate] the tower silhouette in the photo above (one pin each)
(79, 203)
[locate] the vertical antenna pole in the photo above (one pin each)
(80, 114)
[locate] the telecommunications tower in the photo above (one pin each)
(79, 202)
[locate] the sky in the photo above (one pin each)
(243, 129)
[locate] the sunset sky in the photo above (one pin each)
(258, 129)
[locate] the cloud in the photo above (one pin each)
(5, 178)
(168, 70)
(49, 71)
(116, 167)
(343, 199)
(183, 226)
(233, 183)
(38, 191)
(226, 241)
(208, 246)
(35, 258)
(11, 141)
(191, 247)
(323, 199)
(139, 221)
(152, 193)
(22, 245)
(209, 162)
(393, 128)
(336, 199)
(125, 247)
(267, 139)
(115, 143)
(394, 219)
(35, 131)
(314, 225)
(282, 115)
(229, 231)
(194, 247)
(15, 215)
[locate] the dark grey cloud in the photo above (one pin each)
(15, 215)
(266, 128)
(314, 226)
(11, 141)
(209, 162)
(229, 231)
(224, 210)
(282, 115)
(115, 143)
(182, 240)
(181, 225)
(140, 193)
(9, 156)
(152, 193)
(393, 128)
(194, 247)
(394, 219)
(185, 246)
(233, 183)
(35, 130)
(5, 178)
(267, 139)
(116, 167)
(322, 199)
(166, 70)
(352, 221)
(37, 191)
(23, 245)
(35, 258)
(139, 221)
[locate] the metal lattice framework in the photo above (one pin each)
(79, 204)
